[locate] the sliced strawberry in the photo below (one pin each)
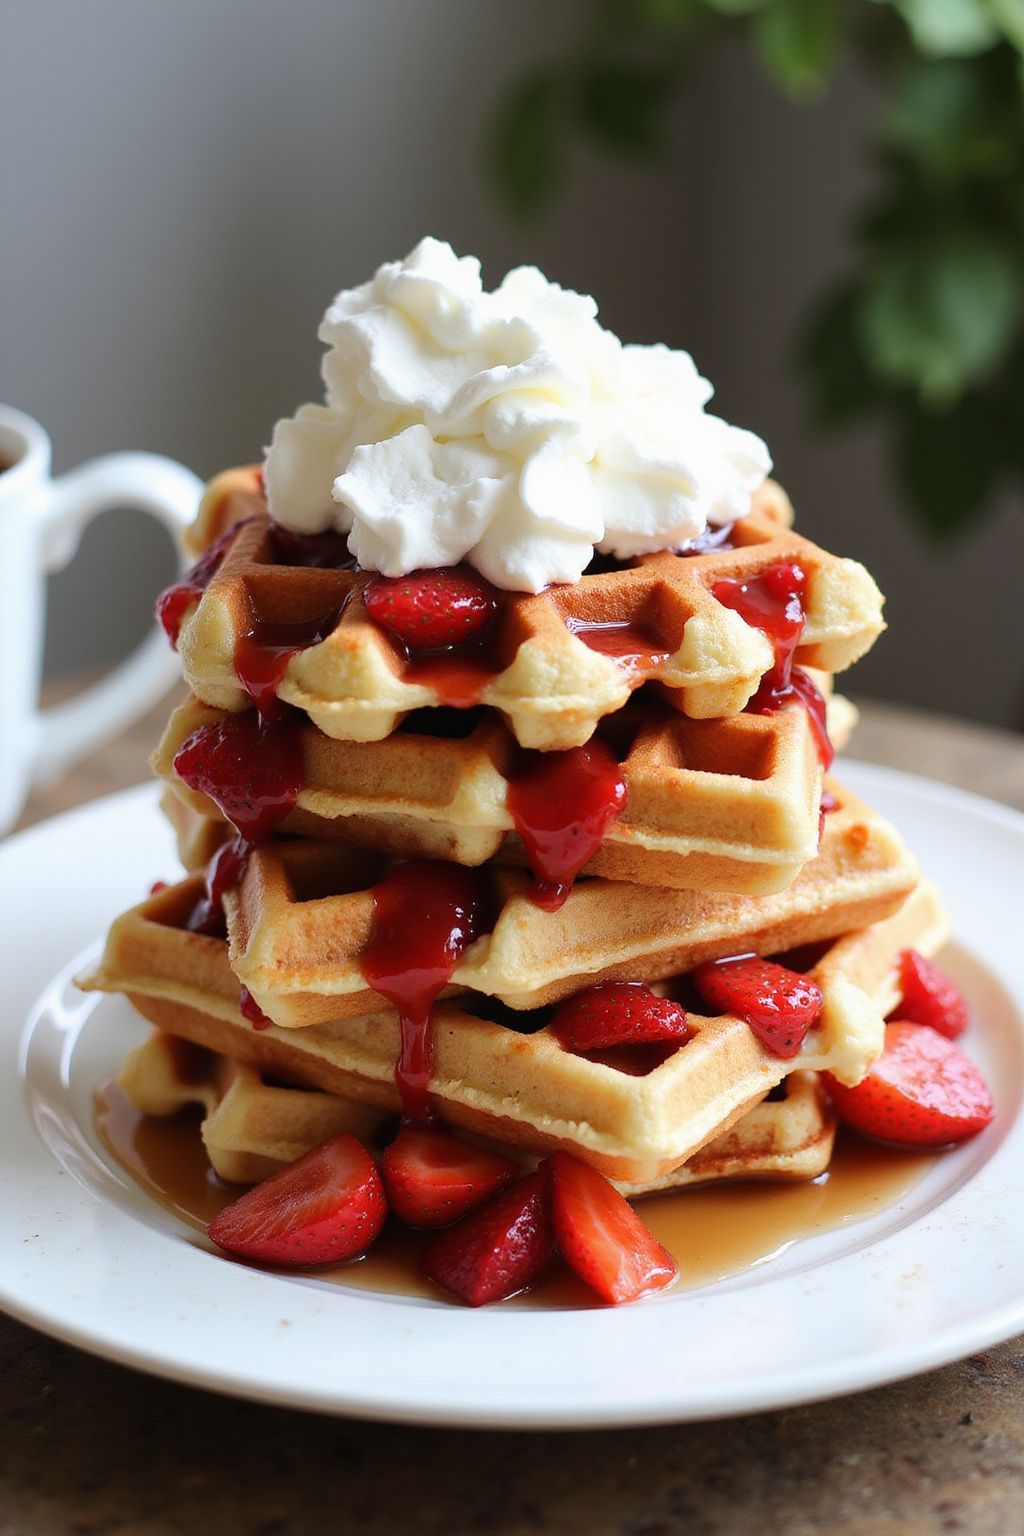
(779, 1005)
(498, 1250)
(252, 771)
(432, 1178)
(618, 1013)
(930, 996)
(325, 1207)
(601, 1236)
(921, 1092)
(433, 610)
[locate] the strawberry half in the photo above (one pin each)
(498, 1250)
(324, 1208)
(779, 1005)
(433, 610)
(618, 1013)
(252, 771)
(601, 1236)
(921, 1092)
(930, 996)
(433, 1178)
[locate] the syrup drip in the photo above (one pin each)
(251, 1010)
(252, 769)
(773, 602)
(223, 873)
(829, 803)
(457, 677)
(635, 648)
(175, 601)
(263, 652)
(562, 804)
(426, 914)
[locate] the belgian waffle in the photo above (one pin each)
(523, 1089)
(357, 684)
(299, 920)
(719, 805)
(253, 1125)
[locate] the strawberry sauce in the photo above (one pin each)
(773, 602)
(635, 648)
(252, 770)
(223, 872)
(562, 804)
(175, 601)
(251, 1010)
(458, 678)
(426, 914)
(263, 652)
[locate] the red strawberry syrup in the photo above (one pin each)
(252, 769)
(251, 1010)
(263, 652)
(457, 677)
(562, 804)
(773, 601)
(635, 648)
(426, 914)
(175, 601)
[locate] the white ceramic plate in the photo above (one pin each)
(87, 1257)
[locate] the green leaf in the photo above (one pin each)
(949, 28)
(1009, 18)
(525, 148)
(737, 7)
(940, 314)
(933, 113)
(622, 106)
(949, 462)
(831, 351)
(797, 41)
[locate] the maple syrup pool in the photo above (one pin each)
(713, 1231)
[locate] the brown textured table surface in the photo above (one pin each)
(91, 1448)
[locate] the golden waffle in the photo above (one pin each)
(299, 920)
(253, 1126)
(357, 683)
(719, 805)
(520, 1089)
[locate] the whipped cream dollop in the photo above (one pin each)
(508, 429)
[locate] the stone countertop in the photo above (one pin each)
(91, 1448)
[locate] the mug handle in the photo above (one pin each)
(170, 493)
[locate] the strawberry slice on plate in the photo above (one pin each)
(921, 1092)
(601, 1236)
(779, 1005)
(433, 610)
(616, 1013)
(324, 1208)
(433, 1178)
(498, 1250)
(930, 996)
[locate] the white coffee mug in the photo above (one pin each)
(41, 522)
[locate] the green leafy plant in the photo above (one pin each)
(926, 328)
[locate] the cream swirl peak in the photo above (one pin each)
(508, 429)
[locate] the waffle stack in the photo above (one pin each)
(320, 766)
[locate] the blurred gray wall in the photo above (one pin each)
(185, 183)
